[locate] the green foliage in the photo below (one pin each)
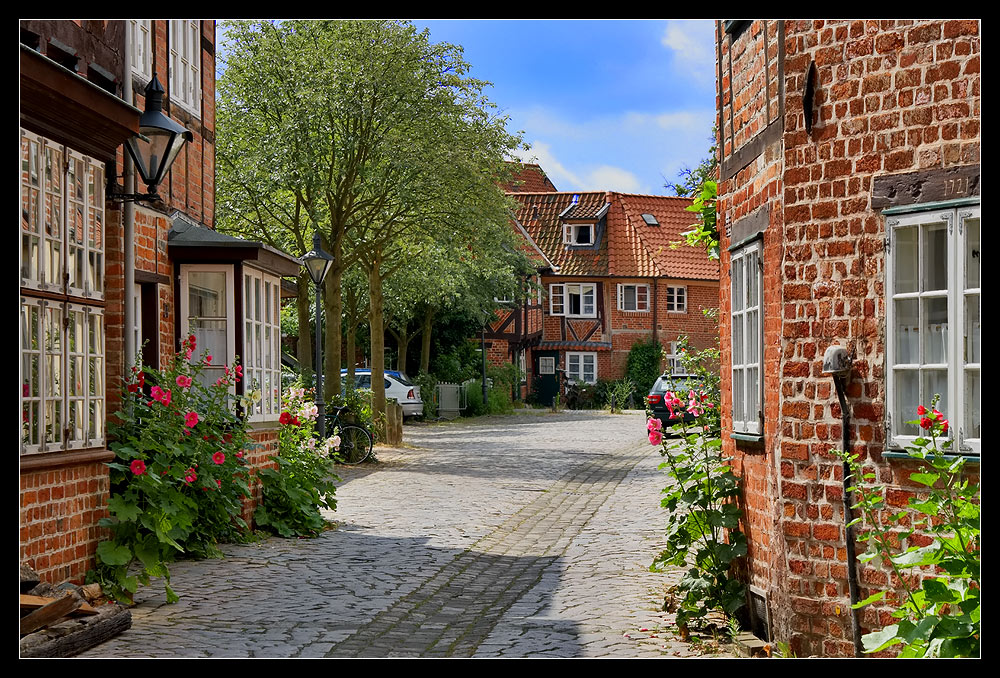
(581, 396)
(428, 393)
(643, 366)
(178, 476)
(691, 180)
(620, 394)
(705, 233)
(938, 606)
(703, 524)
(704, 364)
(303, 484)
(499, 400)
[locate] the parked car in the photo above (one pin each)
(397, 386)
(682, 385)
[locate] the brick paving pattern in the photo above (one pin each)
(516, 536)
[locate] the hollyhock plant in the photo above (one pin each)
(138, 467)
(191, 419)
(219, 458)
(183, 381)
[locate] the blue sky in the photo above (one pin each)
(606, 104)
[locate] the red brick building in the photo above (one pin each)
(608, 278)
(849, 210)
(89, 262)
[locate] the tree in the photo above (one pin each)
(700, 183)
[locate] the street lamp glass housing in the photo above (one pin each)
(317, 263)
(159, 141)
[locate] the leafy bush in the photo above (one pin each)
(428, 393)
(939, 582)
(643, 366)
(703, 525)
(303, 483)
(620, 395)
(178, 476)
(581, 396)
(499, 401)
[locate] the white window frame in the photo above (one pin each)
(185, 64)
(961, 360)
(522, 365)
(640, 301)
(560, 295)
(53, 348)
(261, 356)
(140, 34)
(546, 364)
(571, 234)
(674, 365)
(575, 367)
(746, 332)
(676, 299)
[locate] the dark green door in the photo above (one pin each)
(547, 375)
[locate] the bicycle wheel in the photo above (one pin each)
(355, 444)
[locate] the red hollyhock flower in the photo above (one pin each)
(285, 419)
(138, 467)
(921, 410)
(219, 458)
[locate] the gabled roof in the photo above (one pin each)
(528, 178)
(629, 246)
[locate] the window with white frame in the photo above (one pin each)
(61, 261)
(546, 365)
(633, 297)
(581, 367)
(575, 300)
(140, 37)
(746, 327)
(262, 342)
(207, 306)
(674, 363)
(933, 270)
(185, 64)
(677, 299)
(578, 234)
(522, 365)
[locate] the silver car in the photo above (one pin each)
(397, 386)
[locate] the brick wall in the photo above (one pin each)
(891, 97)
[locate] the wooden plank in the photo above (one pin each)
(53, 611)
(72, 637)
(930, 185)
(35, 602)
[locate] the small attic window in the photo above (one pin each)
(578, 234)
(650, 220)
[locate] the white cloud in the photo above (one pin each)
(611, 178)
(541, 154)
(692, 42)
(600, 178)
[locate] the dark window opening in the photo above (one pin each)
(63, 54)
(30, 39)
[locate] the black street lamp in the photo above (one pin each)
(156, 146)
(318, 263)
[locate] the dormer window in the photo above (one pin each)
(578, 234)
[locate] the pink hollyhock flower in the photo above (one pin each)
(208, 358)
(654, 424)
(219, 458)
(191, 419)
(190, 476)
(921, 410)
(218, 483)
(138, 467)
(193, 342)
(157, 393)
(655, 437)
(239, 454)
(239, 370)
(335, 441)
(183, 381)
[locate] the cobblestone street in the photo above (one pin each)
(520, 536)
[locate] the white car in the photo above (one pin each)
(397, 386)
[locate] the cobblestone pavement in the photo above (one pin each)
(520, 536)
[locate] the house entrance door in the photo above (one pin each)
(546, 375)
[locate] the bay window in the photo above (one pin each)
(61, 261)
(933, 292)
(746, 326)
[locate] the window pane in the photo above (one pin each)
(210, 335)
(738, 398)
(973, 395)
(907, 330)
(972, 249)
(973, 329)
(207, 294)
(934, 382)
(629, 297)
(737, 285)
(935, 330)
(935, 257)
(906, 401)
(905, 260)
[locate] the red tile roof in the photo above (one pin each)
(528, 178)
(628, 246)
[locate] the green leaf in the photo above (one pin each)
(123, 509)
(879, 640)
(869, 600)
(111, 553)
(171, 596)
(928, 479)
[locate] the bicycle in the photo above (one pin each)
(355, 441)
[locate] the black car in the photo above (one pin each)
(681, 385)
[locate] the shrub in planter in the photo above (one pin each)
(178, 474)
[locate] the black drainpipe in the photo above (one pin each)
(838, 363)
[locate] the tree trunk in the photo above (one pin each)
(352, 329)
(403, 339)
(333, 307)
(425, 340)
(304, 348)
(377, 337)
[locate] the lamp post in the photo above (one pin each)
(318, 263)
(156, 146)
